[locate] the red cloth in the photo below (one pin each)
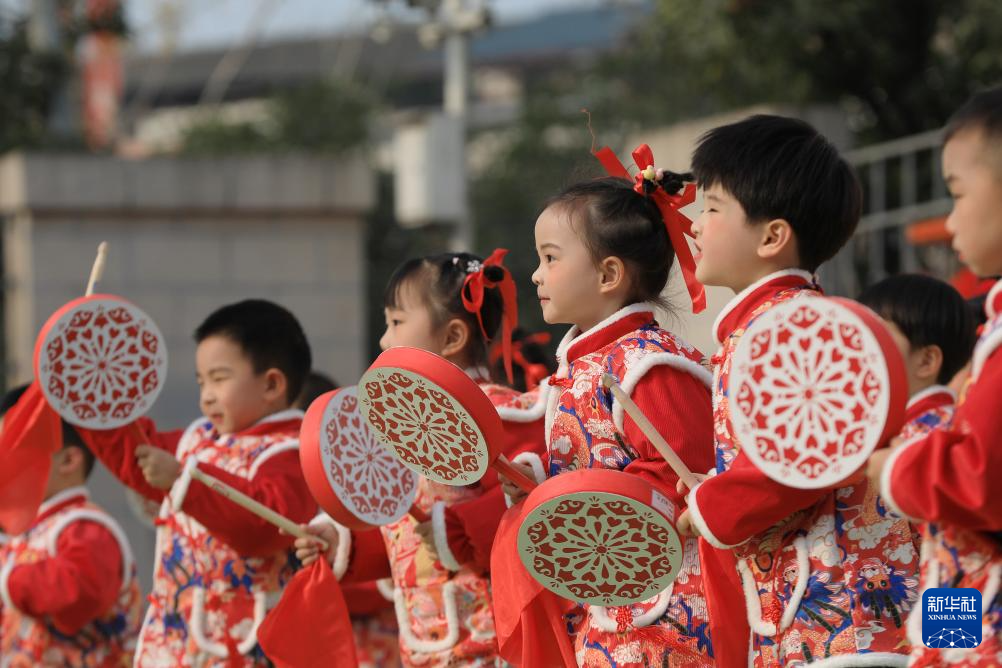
(528, 619)
(725, 603)
(364, 599)
(950, 476)
(31, 435)
(367, 560)
(310, 625)
(77, 585)
(116, 448)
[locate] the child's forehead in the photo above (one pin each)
(973, 149)
(220, 349)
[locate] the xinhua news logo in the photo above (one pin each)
(951, 618)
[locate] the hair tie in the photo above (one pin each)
(534, 373)
(473, 300)
(670, 205)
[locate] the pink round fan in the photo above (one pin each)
(816, 385)
(100, 361)
(350, 473)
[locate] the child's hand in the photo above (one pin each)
(308, 549)
(427, 534)
(514, 492)
(159, 467)
(875, 465)
(685, 526)
(683, 489)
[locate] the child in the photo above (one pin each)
(604, 259)
(826, 578)
(440, 587)
(934, 329)
(218, 567)
(68, 585)
(949, 478)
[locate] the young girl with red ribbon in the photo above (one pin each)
(451, 304)
(606, 248)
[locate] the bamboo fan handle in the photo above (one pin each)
(259, 509)
(670, 456)
(98, 269)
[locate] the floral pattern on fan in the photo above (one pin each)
(423, 426)
(811, 393)
(600, 548)
(102, 363)
(371, 483)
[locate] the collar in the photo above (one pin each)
(577, 344)
(67, 497)
(931, 398)
(262, 425)
(993, 302)
(480, 374)
(745, 302)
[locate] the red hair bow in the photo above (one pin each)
(534, 373)
(473, 301)
(677, 224)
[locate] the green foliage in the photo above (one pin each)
(29, 82)
(320, 117)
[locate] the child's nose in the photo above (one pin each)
(536, 279)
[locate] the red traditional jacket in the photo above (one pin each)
(828, 576)
(585, 428)
(949, 480)
(442, 597)
(69, 589)
(219, 568)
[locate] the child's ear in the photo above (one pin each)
(611, 274)
(69, 459)
(929, 362)
(457, 337)
(778, 242)
(276, 385)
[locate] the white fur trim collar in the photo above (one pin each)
(994, 297)
(929, 392)
(441, 538)
(62, 497)
(886, 491)
(744, 294)
(575, 335)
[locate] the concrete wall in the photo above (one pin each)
(185, 237)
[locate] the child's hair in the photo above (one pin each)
(439, 280)
(778, 167)
(533, 362)
(928, 312)
(316, 384)
(70, 435)
(269, 335)
(614, 220)
(983, 112)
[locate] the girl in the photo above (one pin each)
(604, 259)
(452, 305)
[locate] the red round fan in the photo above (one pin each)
(600, 536)
(434, 418)
(817, 384)
(100, 361)
(350, 473)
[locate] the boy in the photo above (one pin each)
(949, 478)
(824, 576)
(934, 329)
(68, 585)
(218, 567)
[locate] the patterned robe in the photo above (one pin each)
(948, 480)
(828, 576)
(585, 428)
(69, 589)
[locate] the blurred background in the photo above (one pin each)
(298, 150)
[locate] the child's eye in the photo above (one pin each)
(549, 258)
(396, 323)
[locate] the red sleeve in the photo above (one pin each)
(368, 560)
(679, 407)
(731, 507)
(116, 448)
(278, 484)
(951, 476)
(470, 528)
(79, 584)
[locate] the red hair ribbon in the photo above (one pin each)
(534, 373)
(473, 301)
(676, 223)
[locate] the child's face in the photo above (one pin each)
(566, 279)
(725, 242)
(233, 396)
(976, 185)
(410, 323)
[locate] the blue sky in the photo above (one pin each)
(216, 22)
